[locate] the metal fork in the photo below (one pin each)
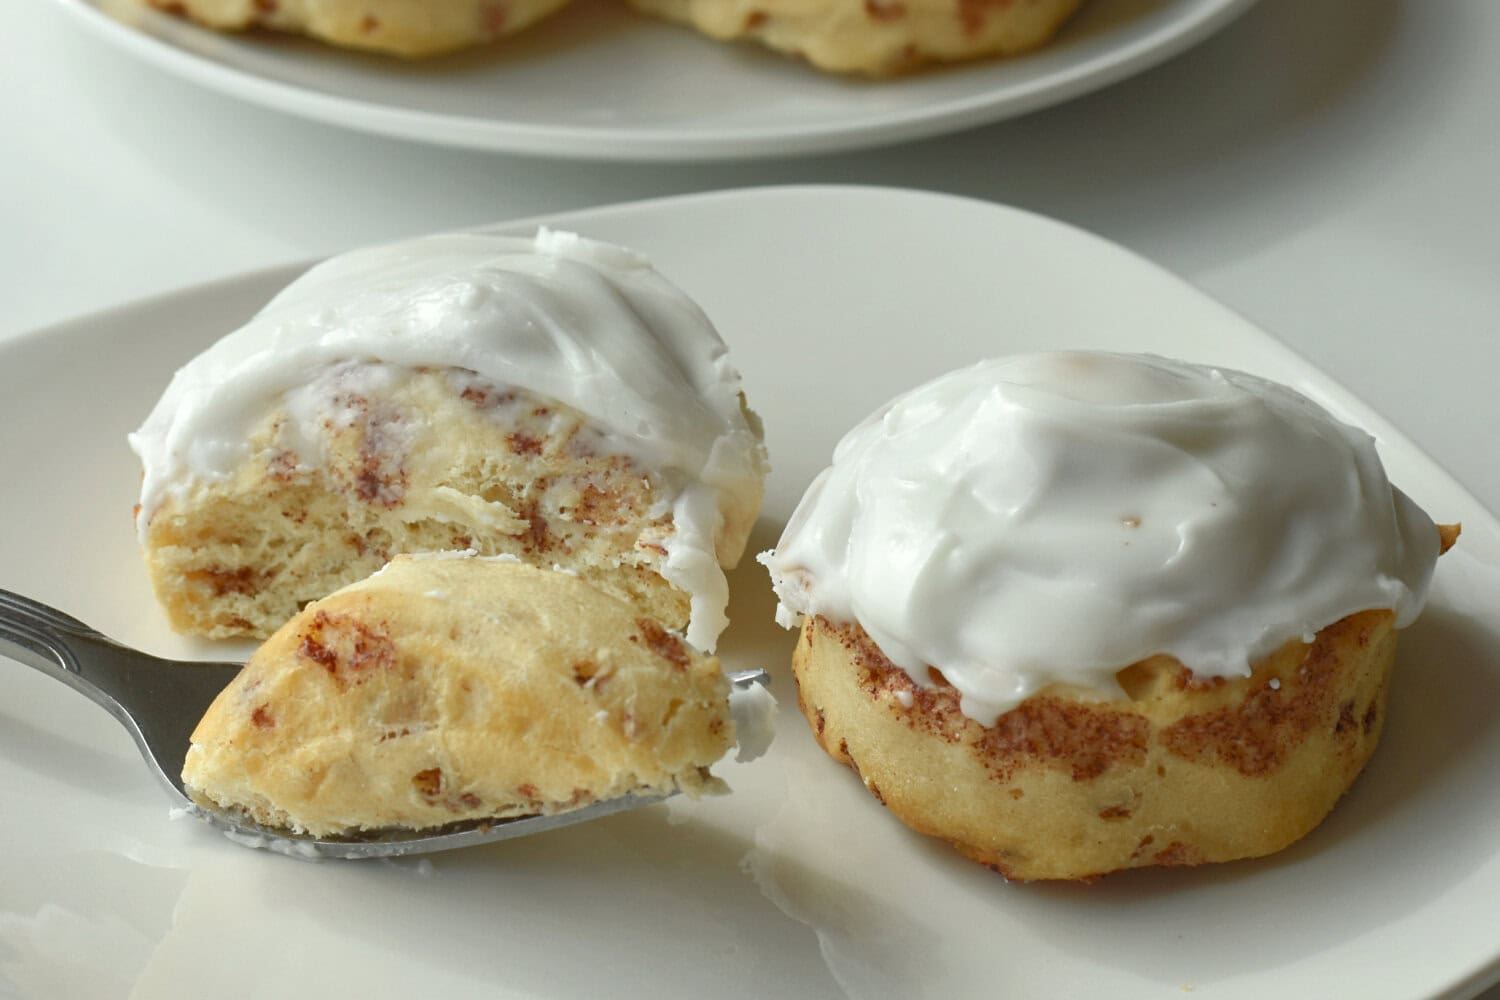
(160, 702)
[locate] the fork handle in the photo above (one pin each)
(38, 636)
(66, 649)
(125, 681)
(157, 701)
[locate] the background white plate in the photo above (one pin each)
(598, 81)
(799, 883)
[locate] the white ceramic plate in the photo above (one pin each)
(601, 82)
(799, 884)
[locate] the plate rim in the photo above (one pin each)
(792, 190)
(1197, 20)
(1371, 417)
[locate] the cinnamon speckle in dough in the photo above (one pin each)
(536, 537)
(662, 643)
(493, 17)
(1083, 739)
(523, 444)
(282, 466)
(973, 13)
(428, 783)
(347, 648)
(885, 10)
(240, 580)
(1177, 853)
(1256, 735)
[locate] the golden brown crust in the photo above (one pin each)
(1183, 771)
(396, 27)
(875, 37)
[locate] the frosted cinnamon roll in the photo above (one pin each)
(396, 27)
(875, 37)
(1079, 612)
(554, 398)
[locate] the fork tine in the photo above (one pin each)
(30, 632)
(14, 609)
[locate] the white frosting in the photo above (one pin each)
(753, 709)
(583, 322)
(1051, 518)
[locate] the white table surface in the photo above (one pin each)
(1328, 169)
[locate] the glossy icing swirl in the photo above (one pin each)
(1048, 519)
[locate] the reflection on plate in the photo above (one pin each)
(600, 82)
(798, 884)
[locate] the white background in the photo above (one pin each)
(1328, 169)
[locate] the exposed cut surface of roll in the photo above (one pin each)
(448, 688)
(553, 398)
